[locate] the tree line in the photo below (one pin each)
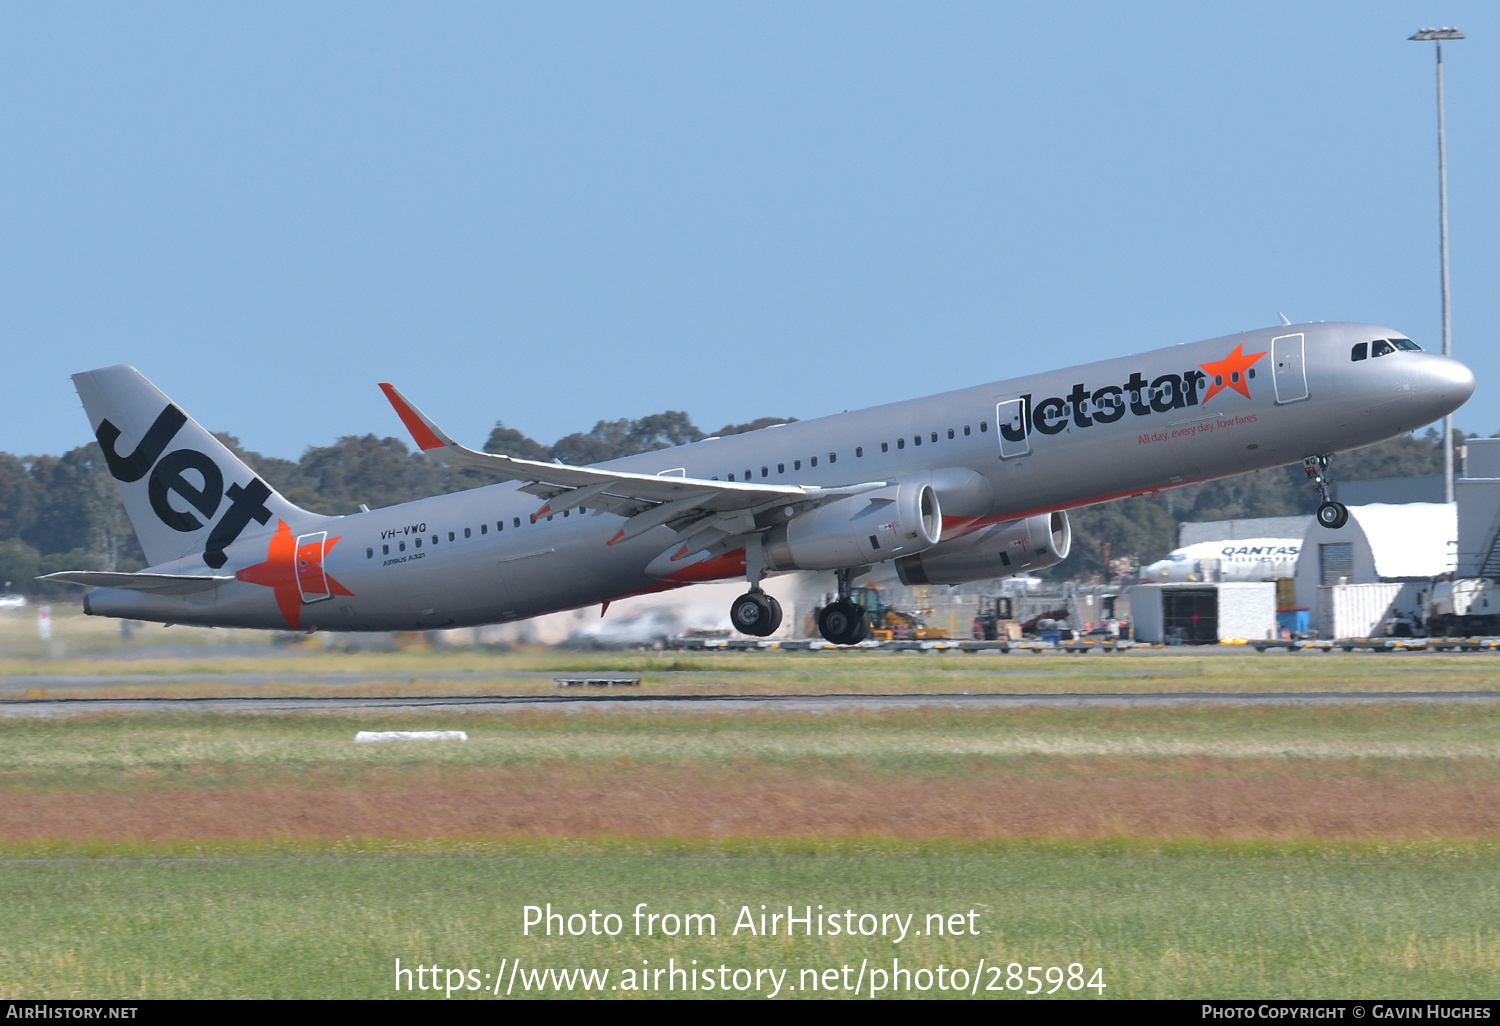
(64, 512)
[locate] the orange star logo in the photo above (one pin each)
(292, 571)
(1230, 372)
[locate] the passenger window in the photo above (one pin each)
(781, 468)
(950, 432)
(984, 425)
(901, 443)
(814, 462)
(1380, 347)
(885, 446)
(748, 475)
(385, 550)
(833, 457)
(484, 528)
(550, 516)
(916, 439)
(966, 430)
(401, 546)
(468, 533)
(566, 512)
(450, 536)
(515, 521)
(765, 471)
(434, 539)
(859, 452)
(934, 436)
(731, 477)
(417, 542)
(796, 464)
(369, 553)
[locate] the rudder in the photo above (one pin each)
(174, 476)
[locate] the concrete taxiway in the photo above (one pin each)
(48, 707)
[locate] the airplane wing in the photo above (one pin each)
(691, 506)
(162, 584)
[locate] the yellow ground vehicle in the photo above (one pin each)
(890, 624)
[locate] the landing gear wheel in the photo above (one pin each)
(775, 614)
(1333, 515)
(843, 623)
(755, 613)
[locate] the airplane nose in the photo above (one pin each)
(1446, 385)
(1453, 380)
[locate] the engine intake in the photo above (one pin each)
(870, 528)
(1031, 544)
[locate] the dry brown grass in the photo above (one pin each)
(1286, 802)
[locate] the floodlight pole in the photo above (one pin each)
(1436, 36)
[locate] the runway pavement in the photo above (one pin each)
(47, 707)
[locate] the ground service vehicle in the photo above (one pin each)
(887, 623)
(995, 620)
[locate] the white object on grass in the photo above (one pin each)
(370, 736)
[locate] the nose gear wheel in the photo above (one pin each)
(1331, 514)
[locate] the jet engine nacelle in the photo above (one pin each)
(869, 528)
(1031, 544)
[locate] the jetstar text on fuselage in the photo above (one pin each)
(1083, 407)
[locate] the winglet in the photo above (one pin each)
(424, 432)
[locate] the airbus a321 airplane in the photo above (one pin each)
(963, 486)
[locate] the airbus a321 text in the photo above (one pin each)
(963, 486)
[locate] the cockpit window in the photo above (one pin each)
(1177, 557)
(1360, 351)
(1406, 345)
(1380, 347)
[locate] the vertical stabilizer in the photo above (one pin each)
(184, 491)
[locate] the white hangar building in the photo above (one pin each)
(1381, 563)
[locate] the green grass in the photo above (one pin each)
(1186, 920)
(222, 750)
(768, 672)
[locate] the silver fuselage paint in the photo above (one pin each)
(562, 561)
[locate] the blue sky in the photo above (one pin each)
(555, 213)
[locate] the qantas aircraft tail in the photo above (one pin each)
(184, 491)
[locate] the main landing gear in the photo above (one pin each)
(1330, 514)
(755, 613)
(843, 621)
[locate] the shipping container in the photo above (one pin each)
(1361, 610)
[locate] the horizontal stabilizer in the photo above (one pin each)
(161, 584)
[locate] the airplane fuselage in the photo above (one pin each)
(996, 452)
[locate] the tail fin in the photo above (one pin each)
(184, 491)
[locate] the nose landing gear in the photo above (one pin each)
(1331, 515)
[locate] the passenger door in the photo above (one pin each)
(1012, 429)
(312, 580)
(1290, 371)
